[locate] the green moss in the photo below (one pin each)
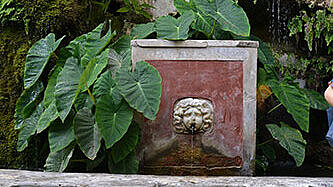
(12, 52)
(63, 17)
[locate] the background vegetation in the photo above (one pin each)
(276, 83)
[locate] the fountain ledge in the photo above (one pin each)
(21, 178)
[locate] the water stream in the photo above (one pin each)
(269, 20)
(192, 147)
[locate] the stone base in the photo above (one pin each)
(20, 178)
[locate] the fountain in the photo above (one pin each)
(206, 121)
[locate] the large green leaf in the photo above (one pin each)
(61, 135)
(47, 117)
(202, 22)
(67, 87)
(86, 59)
(105, 85)
(296, 102)
(92, 70)
(184, 6)
(87, 46)
(64, 54)
(265, 55)
(290, 139)
(50, 89)
(112, 120)
(129, 165)
(114, 61)
(86, 133)
(83, 100)
(94, 44)
(58, 161)
(29, 128)
(168, 27)
(317, 101)
(123, 47)
(26, 103)
(141, 88)
(141, 31)
(116, 95)
(227, 14)
(76, 46)
(37, 58)
(97, 68)
(127, 144)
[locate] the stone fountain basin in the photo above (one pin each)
(219, 74)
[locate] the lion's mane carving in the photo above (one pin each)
(192, 115)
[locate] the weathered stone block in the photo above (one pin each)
(206, 121)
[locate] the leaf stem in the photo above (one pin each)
(212, 30)
(271, 110)
(82, 160)
(265, 142)
(91, 96)
(55, 55)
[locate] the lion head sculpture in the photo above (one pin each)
(191, 115)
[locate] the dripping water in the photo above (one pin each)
(272, 25)
(192, 146)
(269, 20)
(278, 21)
(280, 12)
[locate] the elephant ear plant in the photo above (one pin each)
(87, 100)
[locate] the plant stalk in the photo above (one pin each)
(211, 32)
(271, 110)
(91, 96)
(265, 142)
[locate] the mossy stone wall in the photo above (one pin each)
(12, 51)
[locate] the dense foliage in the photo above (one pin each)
(91, 92)
(313, 31)
(135, 6)
(79, 107)
(316, 27)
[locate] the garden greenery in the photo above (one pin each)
(316, 27)
(10, 10)
(135, 6)
(89, 97)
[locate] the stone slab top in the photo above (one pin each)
(158, 43)
(21, 178)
